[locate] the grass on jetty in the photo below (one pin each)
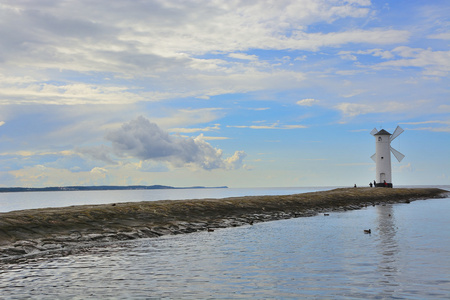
(39, 228)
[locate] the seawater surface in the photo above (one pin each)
(407, 256)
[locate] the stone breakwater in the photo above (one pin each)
(39, 231)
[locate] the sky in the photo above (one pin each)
(241, 93)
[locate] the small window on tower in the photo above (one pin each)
(379, 138)
(382, 157)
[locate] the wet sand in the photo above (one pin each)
(37, 231)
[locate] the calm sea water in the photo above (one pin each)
(407, 256)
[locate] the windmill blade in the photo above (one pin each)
(397, 154)
(374, 131)
(373, 157)
(396, 133)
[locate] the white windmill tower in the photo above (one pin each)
(382, 156)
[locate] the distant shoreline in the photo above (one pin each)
(66, 229)
(100, 188)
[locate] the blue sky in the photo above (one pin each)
(236, 93)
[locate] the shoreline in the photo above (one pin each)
(102, 188)
(39, 231)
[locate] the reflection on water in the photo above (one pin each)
(406, 256)
(388, 246)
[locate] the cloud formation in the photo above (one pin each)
(144, 140)
(156, 40)
(307, 102)
(212, 75)
(269, 126)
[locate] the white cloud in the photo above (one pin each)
(269, 126)
(433, 129)
(430, 128)
(259, 108)
(351, 55)
(440, 36)
(191, 84)
(243, 56)
(435, 63)
(426, 122)
(444, 108)
(161, 43)
(354, 93)
(101, 153)
(190, 117)
(98, 170)
(41, 176)
(192, 130)
(144, 140)
(243, 81)
(355, 109)
(152, 36)
(347, 55)
(214, 138)
(69, 94)
(315, 41)
(294, 127)
(307, 102)
(236, 161)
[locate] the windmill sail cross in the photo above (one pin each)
(399, 156)
(374, 157)
(396, 133)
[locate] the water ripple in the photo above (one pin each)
(406, 256)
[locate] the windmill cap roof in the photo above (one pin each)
(382, 132)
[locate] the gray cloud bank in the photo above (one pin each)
(144, 140)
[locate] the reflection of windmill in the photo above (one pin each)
(382, 156)
(388, 248)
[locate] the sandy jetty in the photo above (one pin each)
(30, 232)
